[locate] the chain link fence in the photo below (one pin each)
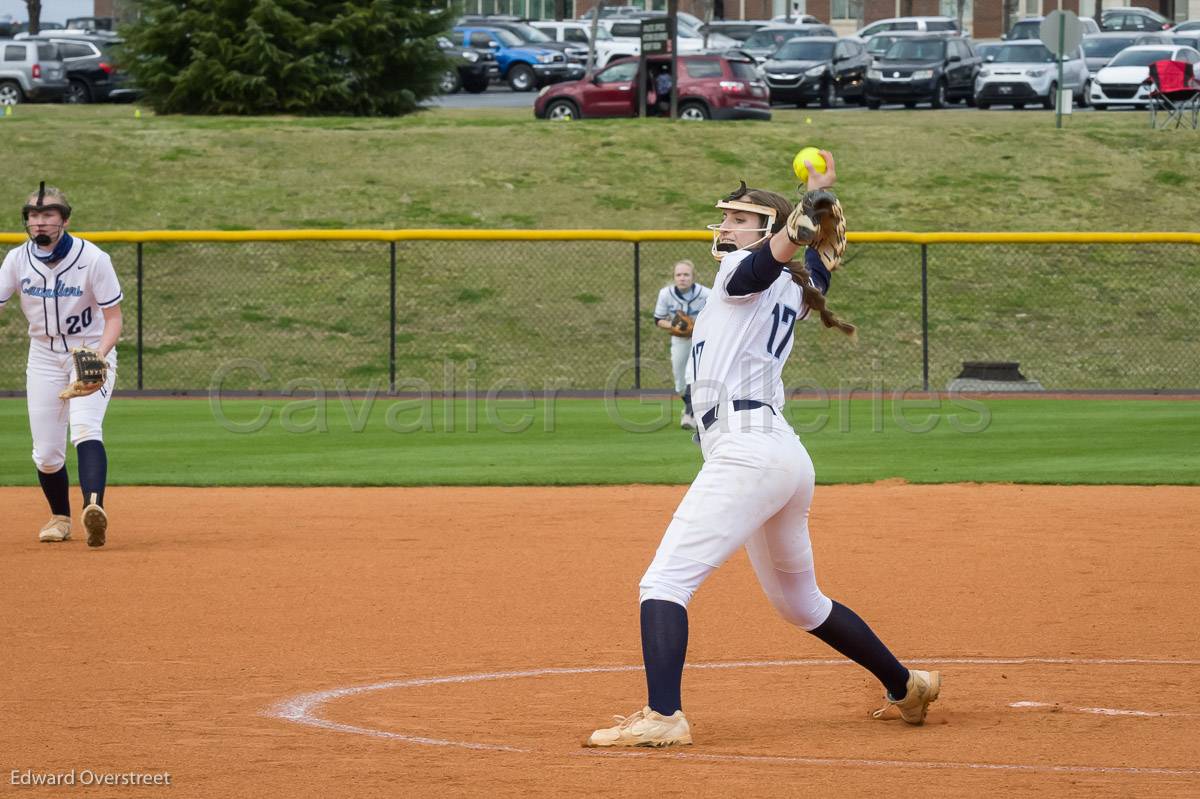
(476, 315)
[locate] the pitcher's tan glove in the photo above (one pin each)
(818, 223)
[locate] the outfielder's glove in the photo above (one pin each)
(818, 223)
(90, 372)
(682, 324)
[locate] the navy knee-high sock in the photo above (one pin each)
(93, 470)
(850, 635)
(687, 400)
(664, 647)
(57, 489)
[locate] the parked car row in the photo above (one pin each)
(51, 67)
(917, 68)
(909, 60)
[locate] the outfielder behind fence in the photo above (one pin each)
(197, 299)
(675, 311)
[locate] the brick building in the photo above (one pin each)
(983, 19)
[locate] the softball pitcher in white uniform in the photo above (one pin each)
(756, 484)
(70, 295)
(682, 300)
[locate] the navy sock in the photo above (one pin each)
(664, 646)
(687, 400)
(850, 635)
(93, 470)
(57, 489)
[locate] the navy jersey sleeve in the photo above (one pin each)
(755, 273)
(821, 277)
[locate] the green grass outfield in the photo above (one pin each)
(1074, 316)
(183, 442)
(899, 170)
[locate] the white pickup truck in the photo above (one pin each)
(607, 48)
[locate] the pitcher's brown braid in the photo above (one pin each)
(815, 300)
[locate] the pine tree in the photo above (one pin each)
(360, 57)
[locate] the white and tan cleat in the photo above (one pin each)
(95, 521)
(922, 689)
(644, 728)
(57, 529)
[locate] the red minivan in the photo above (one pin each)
(710, 87)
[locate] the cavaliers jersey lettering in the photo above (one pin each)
(64, 301)
(740, 344)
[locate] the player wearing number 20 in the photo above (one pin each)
(69, 293)
(756, 484)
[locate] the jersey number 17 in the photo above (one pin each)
(781, 317)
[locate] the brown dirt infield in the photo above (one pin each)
(167, 650)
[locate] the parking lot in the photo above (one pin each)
(500, 96)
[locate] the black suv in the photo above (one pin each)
(92, 70)
(934, 69)
(818, 69)
(473, 68)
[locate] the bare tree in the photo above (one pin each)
(35, 16)
(961, 8)
(858, 10)
(704, 10)
(1009, 15)
(591, 62)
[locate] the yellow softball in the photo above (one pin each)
(813, 156)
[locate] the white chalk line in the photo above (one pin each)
(915, 764)
(1099, 711)
(301, 709)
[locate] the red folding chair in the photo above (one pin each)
(1175, 96)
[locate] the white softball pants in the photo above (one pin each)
(681, 349)
(50, 418)
(754, 489)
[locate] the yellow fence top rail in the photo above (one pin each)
(882, 236)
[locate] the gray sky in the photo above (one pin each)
(52, 10)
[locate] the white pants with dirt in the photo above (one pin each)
(50, 418)
(754, 490)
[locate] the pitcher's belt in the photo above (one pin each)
(710, 416)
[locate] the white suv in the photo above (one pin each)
(30, 70)
(607, 48)
(1025, 72)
